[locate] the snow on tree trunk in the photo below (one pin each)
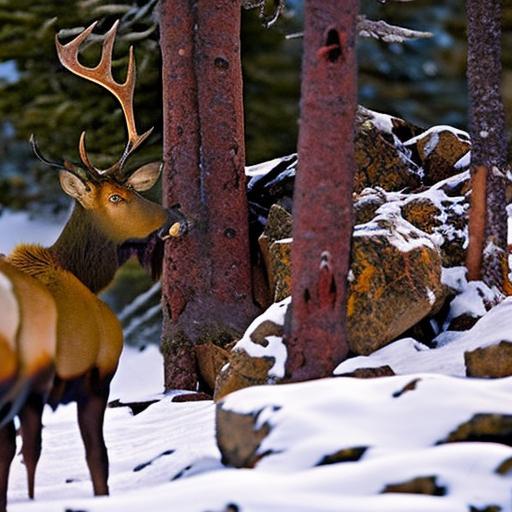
(486, 257)
(207, 289)
(322, 227)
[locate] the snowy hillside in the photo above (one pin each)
(166, 457)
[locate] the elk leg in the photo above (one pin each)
(31, 427)
(91, 413)
(7, 452)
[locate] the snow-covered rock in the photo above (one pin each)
(382, 434)
(441, 151)
(406, 356)
(259, 357)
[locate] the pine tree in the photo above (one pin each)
(316, 336)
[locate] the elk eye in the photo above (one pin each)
(115, 198)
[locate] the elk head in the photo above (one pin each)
(111, 195)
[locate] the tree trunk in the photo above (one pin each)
(316, 335)
(207, 289)
(486, 257)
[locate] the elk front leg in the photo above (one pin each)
(91, 413)
(31, 427)
(7, 452)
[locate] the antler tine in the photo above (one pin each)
(84, 157)
(58, 165)
(102, 75)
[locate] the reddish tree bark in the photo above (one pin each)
(322, 226)
(207, 290)
(486, 256)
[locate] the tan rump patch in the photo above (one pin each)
(9, 312)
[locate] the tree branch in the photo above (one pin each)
(268, 20)
(386, 32)
(381, 30)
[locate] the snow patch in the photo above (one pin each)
(21, 227)
(436, 130)
(275, 347)
(390, 224)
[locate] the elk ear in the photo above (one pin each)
(73, 185)
(145, 177)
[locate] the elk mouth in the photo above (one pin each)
(176, 224)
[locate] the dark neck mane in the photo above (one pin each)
(83, 250)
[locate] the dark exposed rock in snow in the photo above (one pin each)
(492, 361)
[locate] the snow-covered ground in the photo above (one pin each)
(20, 227)
(166, 457)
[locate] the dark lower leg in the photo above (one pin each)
(7, 452)
(91, 413)
(31, 426)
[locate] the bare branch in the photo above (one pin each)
(381, 30)
(388, 33)
(268, 20)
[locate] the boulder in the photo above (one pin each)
(382, 161)
(280, 263)
(492, 361)
(483, 427)
(395, 281)
(275, 246)
(442, 151)
(370, 373)
(210, 359)
(259, 357)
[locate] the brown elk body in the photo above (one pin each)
(108, 211)
(27, 313)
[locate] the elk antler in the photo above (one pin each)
(102, 75)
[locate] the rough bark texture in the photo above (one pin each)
(207, 290)
(487, 130)
(316, 330)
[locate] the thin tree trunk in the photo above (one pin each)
(316, 335)
(207, 289)
(486, 256)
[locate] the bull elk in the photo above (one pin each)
(108, 210)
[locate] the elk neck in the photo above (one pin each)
(85, 251)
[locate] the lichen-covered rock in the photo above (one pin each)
(280, 263)
(442, 151)
(210, 359)
(395, 281)
(382, 161)
(366, 205)
(492, 361)
(275, 246)
(439, 211)
(259, 357)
